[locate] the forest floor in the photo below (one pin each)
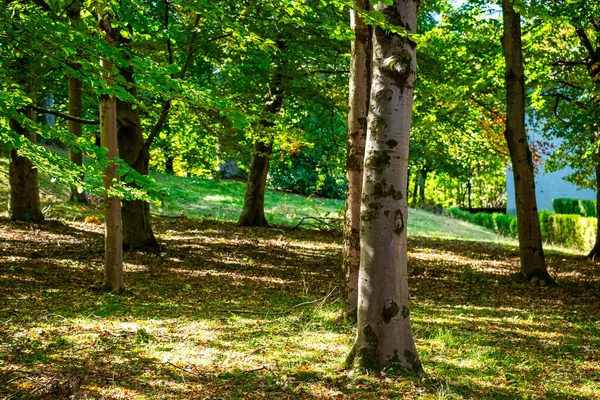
(225, 312)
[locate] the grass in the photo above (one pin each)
(213, 314)
(186, 328)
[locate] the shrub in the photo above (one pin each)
(572, 230)
(544, 217)
(502, 224)
(585, 208)
(459, 214)
(484, 219)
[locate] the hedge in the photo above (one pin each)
(585, 208)
(567, 230)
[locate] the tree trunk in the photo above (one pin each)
(470, 205)
(384, 337)
(528, 224)
(360, 84)
(137, 227)
(596, 250)
(422, 184)
(113, 238)
(253, 212)
(23, 182)
(76, 110)
(415, 194)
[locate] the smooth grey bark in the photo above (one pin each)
(384, 336)
(531, 252)
(135, 214)
(360, 85)
(253, 212)
(23, 182)
(113, 237)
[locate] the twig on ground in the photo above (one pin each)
(262, 367)
(322, 221)
(196, 373)
(167, 216)
(289, 311)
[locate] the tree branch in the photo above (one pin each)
(569, 63)
(66, 116)
(585, 41)
(556, 110)
(159, 124)
(43, 4)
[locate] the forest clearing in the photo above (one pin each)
(224, 311)
(299, 199)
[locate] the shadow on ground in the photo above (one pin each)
(211, 316)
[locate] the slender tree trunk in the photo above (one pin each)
(384, 336)
(113, 238)
(470, 205)
(253, 212)
(530, 237)
(23, 182)
(593, 254)
(422, 185)
(360, 85)
(76, 110)
(137, 227)
(415, 194)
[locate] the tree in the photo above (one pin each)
(360, 85)
(113, 238)
(531, 252)
(23, 182)
(568, 88)
(253, 212)
(384, 336)
(75, 110)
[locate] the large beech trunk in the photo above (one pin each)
(360, 84)
(384, 337)
(253, 212)
(113, 237)
(23, 183)
(137, 228)
(530, 238)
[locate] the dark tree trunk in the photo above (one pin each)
(470, 205)
(360, 85)
(137, 227)
(596, 250)
(253, 212)
(415, 193)
(422, 184)
(531, 252)
(76, 110)
(23, 183)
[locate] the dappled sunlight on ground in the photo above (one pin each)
(228, 312)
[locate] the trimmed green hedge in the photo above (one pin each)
(585, 208)
(568, 230)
